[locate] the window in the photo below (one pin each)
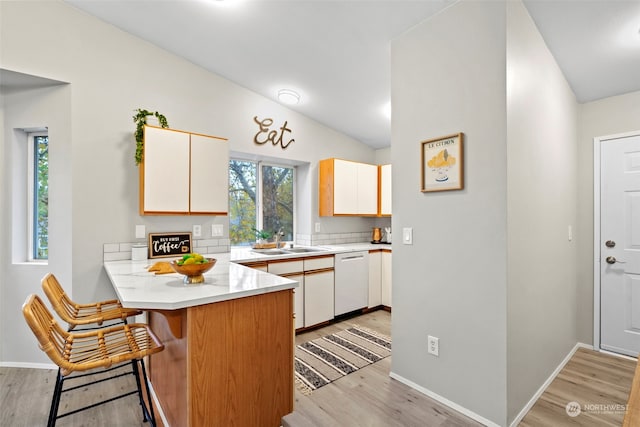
(261, 197)
(39, 196)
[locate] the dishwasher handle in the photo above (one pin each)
(351, 258)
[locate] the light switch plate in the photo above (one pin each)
(317, 227)
(407, 236)
(217, 230)
(140, 232)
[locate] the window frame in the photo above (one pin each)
(259, 190)
(31, 195)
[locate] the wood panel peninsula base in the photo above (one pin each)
(229, 342)
(230, 365)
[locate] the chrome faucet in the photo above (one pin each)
(279, 233)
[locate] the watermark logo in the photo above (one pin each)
(573, 409)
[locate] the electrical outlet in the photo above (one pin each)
(217, 230)
(197, 231)
(317, 227)
(433, 344)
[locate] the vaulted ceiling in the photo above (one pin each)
(336, 53)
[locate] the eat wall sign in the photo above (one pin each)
(278, 136)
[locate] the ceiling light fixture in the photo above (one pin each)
(288, 96)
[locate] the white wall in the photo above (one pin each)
(617, 114)
(541, 203)
(49, 106)
(448, 75)
(111, 74)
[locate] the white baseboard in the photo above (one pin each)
(481, 419)
(444, 401)
(546, 384)
(28, 365)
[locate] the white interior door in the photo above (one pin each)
(620, 245)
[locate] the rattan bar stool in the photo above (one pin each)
(83, 314)
(109, 348)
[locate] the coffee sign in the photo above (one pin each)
(169, 244)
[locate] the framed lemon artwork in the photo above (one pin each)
(442, 163)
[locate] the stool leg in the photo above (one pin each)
(146, 384)
(147, 412)
(55, 400)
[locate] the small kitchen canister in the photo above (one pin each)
(139, 252)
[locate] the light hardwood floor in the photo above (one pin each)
(599, 382)
(368, 397)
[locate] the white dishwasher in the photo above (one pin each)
(351, 281)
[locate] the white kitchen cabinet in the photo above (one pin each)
(282, 268)
(347, 188)
(385, 190)
(209, 175)
(318, 297)
(386, 278)
(183, 173)
(165, 172)
(318, 263)
(293, 270)
(375, 278)
(367, 189)
(298, 299)
(313, 298)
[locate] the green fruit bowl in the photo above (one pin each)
(193, 273)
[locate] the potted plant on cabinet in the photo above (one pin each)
(140, 119)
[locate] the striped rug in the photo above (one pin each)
(324, 360)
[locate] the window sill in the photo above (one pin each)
(34, 262)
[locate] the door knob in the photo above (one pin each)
(611, 260)
(610, 244)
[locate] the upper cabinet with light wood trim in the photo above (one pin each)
(183, 173)
(347, 188)
(385, 190)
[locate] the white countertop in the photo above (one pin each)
(227, 280)
(245, 254)
(138, 288)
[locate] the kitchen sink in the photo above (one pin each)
(286, 251)
(301, 250)
(269, 251)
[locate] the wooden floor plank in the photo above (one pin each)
(366, 398)
(599, 382)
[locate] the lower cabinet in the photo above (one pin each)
(380, 278)
(298, 294)
(313, 298)
(375, 278)
(386, 278)
(318, 297)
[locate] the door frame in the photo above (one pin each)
(597, 144)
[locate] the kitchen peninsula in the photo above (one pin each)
(228, 358)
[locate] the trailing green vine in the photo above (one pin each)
(140, 119)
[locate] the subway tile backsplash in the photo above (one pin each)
(122, 251)
(332, 238)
